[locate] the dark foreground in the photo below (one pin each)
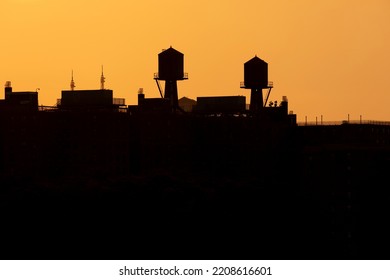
(165, 217)
(113, 187)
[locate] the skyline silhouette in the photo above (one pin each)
(92, 178)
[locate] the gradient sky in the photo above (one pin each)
(330, 58)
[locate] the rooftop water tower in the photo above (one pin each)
(170, 70)
(256, 79)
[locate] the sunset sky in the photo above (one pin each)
(330, 58)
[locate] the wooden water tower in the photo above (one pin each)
(170, 70)
(256, 79)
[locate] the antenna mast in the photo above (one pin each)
(72, 85)
(102, 79)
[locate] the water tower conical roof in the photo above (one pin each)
(255, 60)
(171, 64)
(256, 73)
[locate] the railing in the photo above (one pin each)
(115, 101)
(157, 76)
(344, 122)
(269, 85)
(118, 101)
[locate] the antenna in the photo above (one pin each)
(72, 85)
(102, 79)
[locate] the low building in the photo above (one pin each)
(99, 99)
(19, 100)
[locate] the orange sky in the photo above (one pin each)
(329, 58)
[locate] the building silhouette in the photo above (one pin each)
(101, 179)
(20, 100)
(85, 100)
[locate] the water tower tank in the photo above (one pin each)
(256, 73)
(170, 65)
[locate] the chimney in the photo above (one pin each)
(7, 89)
(141, 96)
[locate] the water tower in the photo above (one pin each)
(256, 79)
(170, 70)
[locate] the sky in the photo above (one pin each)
(331, 58)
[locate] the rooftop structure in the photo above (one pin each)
(256, 79)
(19, 100)
(170, 70)
(95, 99)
